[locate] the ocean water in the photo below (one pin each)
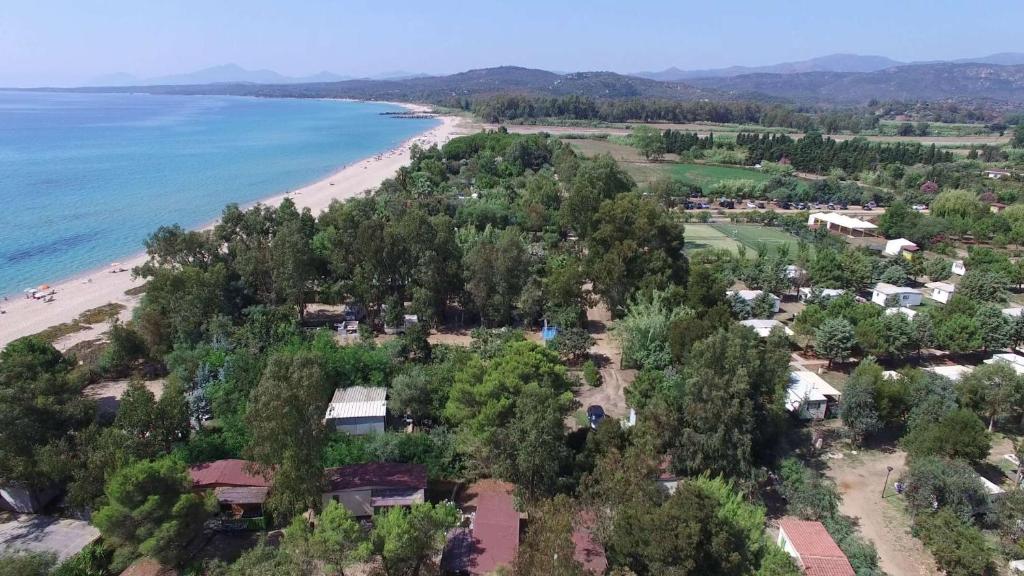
(85, 178)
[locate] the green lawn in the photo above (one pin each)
(752, 235)
(699, 236)
(705, 175)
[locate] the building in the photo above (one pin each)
(231, 473)
(764, 327)
(841, 224)
(809, 396)
(900, 246)
(241, 507)
(1012, 312)
(794, 272)
(888, 295)
(822, 294)
(408, 320)
(909, 313)
(997, 174)
(751, 295)
(958, 268)
(491, 540)
(813, 548)
(587, 550)
(357, 410)
(940, 291)
(364, 488)
(1015, 361)
(952, 371)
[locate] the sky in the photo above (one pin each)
(69, 42)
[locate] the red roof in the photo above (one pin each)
(817, 551)
(376, 475)
(226, 473)
(493, 539)
(588, 552)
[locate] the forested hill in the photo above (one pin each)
(919, 82)
(929, 82)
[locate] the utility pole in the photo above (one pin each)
(888, 470)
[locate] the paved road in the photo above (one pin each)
(64, 538)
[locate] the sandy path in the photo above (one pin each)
(859, 478)
(23, 317)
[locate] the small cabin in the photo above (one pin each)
(888, 295)
(940, 291)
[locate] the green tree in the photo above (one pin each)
(572, 343)
(290, 396)
(496, 269)
(548, 547)
(992, 390)
(1018, 136)
(644, 331)
(957, 434)
(959, 548)
(649, 142)
(152, 511)
(859, 409)
(834, 339)
(531, 449)
(335, 542)
(407, 540)
(938, 269)
(596, 180)
(23, 563)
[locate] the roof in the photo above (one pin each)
(147, 566)
(805, 386)
(241, 494)
(825, 292)
(908, 312)
(901, 244)
(841, 220)
(886, 288)
(588, 552)
(1014, 360)
(944, 286)
(358, 402)
(376, 475)
(749, 294)
(226, 473)
(952, 371)
(1013, 312)
(764, 327)
(493, 537)
(818, 552)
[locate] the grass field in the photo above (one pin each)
(700, 236)
(752, 235)
(705, 175)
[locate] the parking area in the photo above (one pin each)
(62, 537)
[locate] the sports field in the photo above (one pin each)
(752, 235)
(705, 175)
(700, 236)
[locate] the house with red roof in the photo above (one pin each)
(363, 488)
(226, 473)
(813, 548)
(491, 540)
(588, 552)
(240, 493)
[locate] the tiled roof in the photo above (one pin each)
(827, 566)
(588, 552)
(818, 552)
(376, 475)
(493, 539)
(225, 473)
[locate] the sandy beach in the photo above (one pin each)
(23, 316)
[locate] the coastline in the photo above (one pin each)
(99, 286)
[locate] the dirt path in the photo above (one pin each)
(611, 394)
(882, 521)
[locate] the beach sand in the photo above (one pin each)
(23, 316)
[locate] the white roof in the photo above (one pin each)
(909, 313)
(841, 220)
(885, 288)
(899, 243)
(944, 286)
(954, 372)
(890, 374)
(825, 292)
(1014, 312)
(764, 327)
(990, 487)
(1014, 360)
(807, 386)
(749, 294)
(358, 402)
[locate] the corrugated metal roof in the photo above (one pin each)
(358, 402)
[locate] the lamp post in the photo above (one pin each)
(888, 470)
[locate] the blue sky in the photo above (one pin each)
(72, 41)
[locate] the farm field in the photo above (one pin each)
(752, 235)
(705, 175)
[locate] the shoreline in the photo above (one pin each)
(98, 286)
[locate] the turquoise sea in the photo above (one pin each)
(84, 178)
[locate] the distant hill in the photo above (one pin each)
(830, 63)
(1002, 59)
(930, 82)
(227, 73)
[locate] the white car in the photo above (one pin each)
(919, 207)
(751, 205)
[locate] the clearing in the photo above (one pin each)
(705, 175)
(62, 537)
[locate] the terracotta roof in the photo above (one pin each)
(376, 474)
(225, 473)
(588, 552)
(818, 552)
(493, 538)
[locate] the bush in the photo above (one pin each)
(591, 375)
(959, 547)
(952, 484)
(958, 434)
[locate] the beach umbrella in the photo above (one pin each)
(44, 287)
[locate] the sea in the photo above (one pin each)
(85, 178)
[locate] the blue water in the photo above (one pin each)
(85, 178)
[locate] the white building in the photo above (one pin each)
(900, 296)
(764, 327)
(899, 246)
(357, 410)
(793, 272)
(940, 291)
(958, 268)
(841, 224)
(751, 295)
(909, 313)
(809, 396)
(1012, 312)
(952, 371)
(823, 294)
(1015, 361)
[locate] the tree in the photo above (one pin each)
(982, 286)
(572, 343)
(531, 449)
(644, 331)
(496, 269)
(406, 540)
(992, 390)
(938, 269)
(152, 511)
(124, 348)
(24, 563)
(959, 548)
(1018, 136)
(956, 204)
(596, 180)
(834, 339)
(957, 434)
(649, 142)
(859, 408)
(335, 542)
(548, 547)
(290, 397)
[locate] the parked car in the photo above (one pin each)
(919, 207)
(595, 414)
(761, 205)
(751, 205)
(785, 205)
(705, 205)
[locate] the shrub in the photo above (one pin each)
(591, 375)
(959, 548)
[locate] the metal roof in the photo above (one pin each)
(358, 402)
(841, 220)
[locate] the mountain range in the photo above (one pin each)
(235, 74)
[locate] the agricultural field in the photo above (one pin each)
(705, 175)
(752, 235)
